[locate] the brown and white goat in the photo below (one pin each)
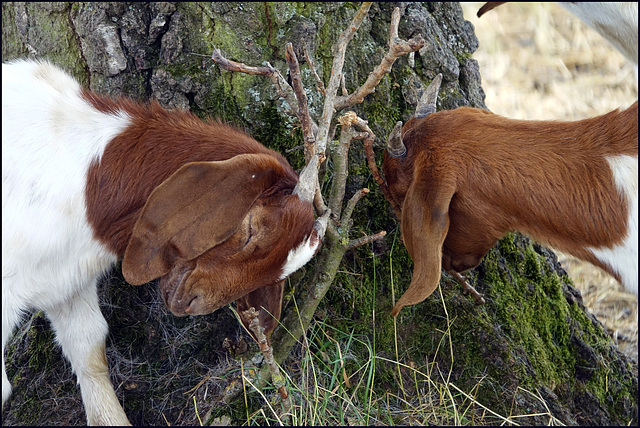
(459, 180)
(87, 180)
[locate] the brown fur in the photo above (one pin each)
(470, 176)
(259, 236)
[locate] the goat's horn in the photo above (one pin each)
(395, 146)
(427, 103)
(306, 187)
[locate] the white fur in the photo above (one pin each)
(618, 23)
(623, 258)
(299, 256)
(615, 21)
(50, 260)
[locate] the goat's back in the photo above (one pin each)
(50, 135)
(570, 185)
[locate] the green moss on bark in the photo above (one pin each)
(49, 22)
(530, 335)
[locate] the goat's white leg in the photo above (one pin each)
(81, 330)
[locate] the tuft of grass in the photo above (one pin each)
(332, 378)
(335, 386)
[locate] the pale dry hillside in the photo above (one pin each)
(539, 61)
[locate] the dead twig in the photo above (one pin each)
(350, 122)
(303, 106)
(319, 83)
(240, 67)
(283, 89)
(468, 287)
(365, 240)
(397, 48)
(340, 156)
(336, 75)
(348, 210)
(276, 377)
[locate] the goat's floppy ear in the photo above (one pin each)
(267, 300)
(424, 223)
(196, 208)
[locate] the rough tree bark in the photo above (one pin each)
(533, 334)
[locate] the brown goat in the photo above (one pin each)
(459, 180)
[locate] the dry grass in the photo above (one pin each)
(538, 61)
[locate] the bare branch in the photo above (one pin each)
(467, 287)
(362, 124)
(282, 87)
(397, 48)
(340, 157)
(319, 82)
(351, 119)
(301, 96)
(240, 67)
(254, 325)
(293, 149)
(348, 210)
(318, 201)
(368, 146)
(307, 185)
(371, 161)
(285, 91)
(365, 240)
(297, 100)
(336, 75)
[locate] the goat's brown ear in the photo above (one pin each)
(196, 208)
(424, 223)
(267, 300)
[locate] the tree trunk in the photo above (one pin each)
(532, 349)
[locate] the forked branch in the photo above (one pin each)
(340, 50)
(316, 137)
(397, 48)
(283, 89)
